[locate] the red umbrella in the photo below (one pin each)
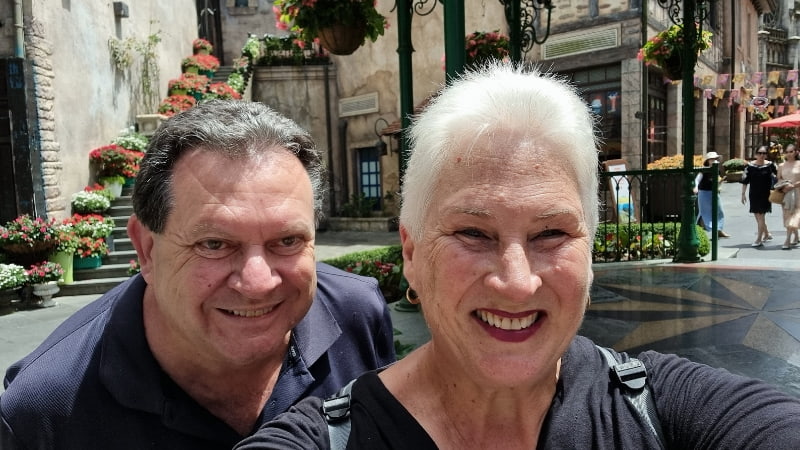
(787, 121)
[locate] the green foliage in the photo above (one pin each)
(629, 242)
(85, 202)
(131, 140)
(385, 264)
(307, 17)
(734, 165)
(358, 206)
(658, 49)
(13, 276)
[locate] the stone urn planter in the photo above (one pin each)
(43, 294)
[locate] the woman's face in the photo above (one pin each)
(503, 268)
(761, 154)
(790, 154)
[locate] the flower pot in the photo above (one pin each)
(129, 182)
(673, 67)
(25, 255)
(89, 262)
(201, 51)
(45, 292)
(341, 39)
(178, 91)
(208, 73)
(114, 187)
(65, 259)
(192, 69)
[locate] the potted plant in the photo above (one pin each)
(178, 86)
(12, 277)
(115, 159)
(201, 46)
(26, 240)
(112, 184)
(65, 249)
(202, 64)
(87, 202)
(484, 46)
(663, 50)
(44, 278)
(132, 141)
(341, 26)
(89, 252)
(734, 169)
(176, 103)
(222, 91)
(197, 84)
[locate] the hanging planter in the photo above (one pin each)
(664, 50)
(673, 68)
(340, 26)
(341, 39)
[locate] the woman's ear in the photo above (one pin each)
(142, 240)
(408, 255)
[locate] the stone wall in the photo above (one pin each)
(83, 100)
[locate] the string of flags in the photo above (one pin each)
(758, 85)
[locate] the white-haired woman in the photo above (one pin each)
(499, 213)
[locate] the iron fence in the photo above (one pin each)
(641, 212)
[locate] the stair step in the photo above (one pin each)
(120, 233)
(120, 210)
(92, 286)
(105, 271)
(120, 221)
(120, 257)
(122, 244)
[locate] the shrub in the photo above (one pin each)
(734, 165)
(628, 242)
(385, 264)
(358, 206)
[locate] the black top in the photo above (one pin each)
(94, 384)
(761, 180)
(698, 407)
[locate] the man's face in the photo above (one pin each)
(234, 271)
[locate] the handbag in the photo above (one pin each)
(776, 196)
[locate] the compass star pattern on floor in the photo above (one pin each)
(744, 320)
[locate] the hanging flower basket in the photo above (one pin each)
(673, 68)
(342, 39)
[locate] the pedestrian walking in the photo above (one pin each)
(789, 171)
(703, 188)
(759, 175)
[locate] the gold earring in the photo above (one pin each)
(411, 296)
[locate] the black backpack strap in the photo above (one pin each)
(632, 375)
(336, 410)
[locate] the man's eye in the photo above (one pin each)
(211, 245)
(289, 245)
(472, 233)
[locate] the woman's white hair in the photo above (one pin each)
(500, 97)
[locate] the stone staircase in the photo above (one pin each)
(115, 265)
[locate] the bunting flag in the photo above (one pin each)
(723, 86)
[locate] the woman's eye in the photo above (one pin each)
(550, 233)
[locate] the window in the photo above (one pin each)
(601, 88)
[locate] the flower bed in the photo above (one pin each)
(636, 242)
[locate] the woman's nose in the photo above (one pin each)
(255, 275)
(514, 277)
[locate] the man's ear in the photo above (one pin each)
(142, 240)
(408, 255)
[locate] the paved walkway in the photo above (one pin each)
(741, 312)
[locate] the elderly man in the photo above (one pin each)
(230, 321)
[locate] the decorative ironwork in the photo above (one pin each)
(530, 16)
(423, 7)
(674, 10)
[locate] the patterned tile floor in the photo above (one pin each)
(742, 319)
